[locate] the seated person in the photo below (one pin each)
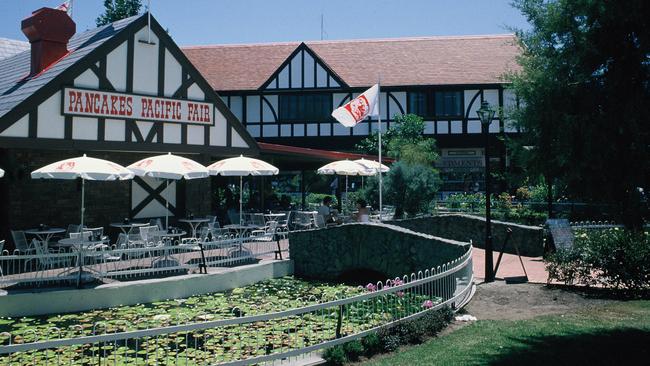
(325, 210)
(363, 213)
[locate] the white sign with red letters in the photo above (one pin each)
(95, 103)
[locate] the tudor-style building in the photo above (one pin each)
(284, 92)
(121, 92)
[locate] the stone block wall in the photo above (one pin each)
(326, 254)
(530, 239)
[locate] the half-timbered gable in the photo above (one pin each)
(124, 59)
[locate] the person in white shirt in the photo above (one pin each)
(325, 210)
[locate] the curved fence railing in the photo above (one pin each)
(251, 339)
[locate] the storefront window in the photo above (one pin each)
(305, 107)
(431, 104)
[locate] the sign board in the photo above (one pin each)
(95, 103)
(464, 163)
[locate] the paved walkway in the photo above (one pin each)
(510, 267)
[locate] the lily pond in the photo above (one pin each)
(212, 345)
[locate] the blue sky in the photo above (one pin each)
(192, 22)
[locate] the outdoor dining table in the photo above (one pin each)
(79, 245)
(168, 238)
(194, 224)
(45, 234)
(273, 216)
(127, 227)
(241, 230)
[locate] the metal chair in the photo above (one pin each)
(22, 245)
(2, 246)
(46, 260)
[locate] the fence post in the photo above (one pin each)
(339, 322)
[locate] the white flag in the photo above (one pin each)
(356, 110)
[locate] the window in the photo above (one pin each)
(305, 107)
(449, 104)
(439, 104)
(418, 104)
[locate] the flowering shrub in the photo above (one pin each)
(612, 258)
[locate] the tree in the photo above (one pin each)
(115, 10)
(585, 98)
(405, 141)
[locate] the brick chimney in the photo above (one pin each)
(48, 31)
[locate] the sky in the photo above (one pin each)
(200, 22)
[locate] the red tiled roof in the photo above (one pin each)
(400, 61)
(317, 153)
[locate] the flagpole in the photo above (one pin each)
(379, 129)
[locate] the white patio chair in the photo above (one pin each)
(2, 247)
(46, 258)
(157, 223)
(269, 234)
(22, 245)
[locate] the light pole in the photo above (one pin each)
(486, 114)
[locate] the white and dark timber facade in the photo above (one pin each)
(284, 92)
(116, 92)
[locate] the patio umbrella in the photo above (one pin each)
(239, 167)
(2, 173)
(168, 167)
(85, 168)
(347, 168)
(372, 165)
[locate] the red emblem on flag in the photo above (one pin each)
(358, 107)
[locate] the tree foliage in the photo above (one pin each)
(405, 141)
(585, 97)
(115, 10)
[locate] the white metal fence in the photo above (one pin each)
(127, 263)
(271, 337)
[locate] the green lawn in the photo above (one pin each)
(616, 334)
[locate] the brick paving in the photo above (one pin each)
(510, 267)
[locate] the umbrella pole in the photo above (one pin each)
(167, 207)
(241, 198)
(347, 200)
(81, 230)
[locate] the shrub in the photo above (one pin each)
(371, 344)
(416, 332)
(335, 356)
(611, 258)
(353, 350)
(389, 341)
(435, 321)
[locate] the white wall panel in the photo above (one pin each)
(321, 76)
(401, 101)
(267, 113)
(84, 128)
(114, 130)
(145, 64)
(312, 129)
(491, 96)
(494, 126)
(19, 129)
(333, 82)
(253, 108)
(325, 129)
(144, 128)
(382, 107)
(361, 129)
(296, 71)
(309, 71)
(237, 140)
(51, 124)
(429, 127)
(340, 130)
(218, 132)
(173, 74)
(272, 84)
(253, 130)
(469, 94)
(283, 78)
(116, 67)
(443, 127)
(270, 130)
(375, 126)
(236, 107)
(194, 92)
(87, 79)
(456, 126)
(285, 130)
(299, 130)
(172, 133)
(473, 126)
(195, 135)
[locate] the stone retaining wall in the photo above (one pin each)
(467, 227)
(326, 254)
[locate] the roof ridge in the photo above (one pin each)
(364, 40)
